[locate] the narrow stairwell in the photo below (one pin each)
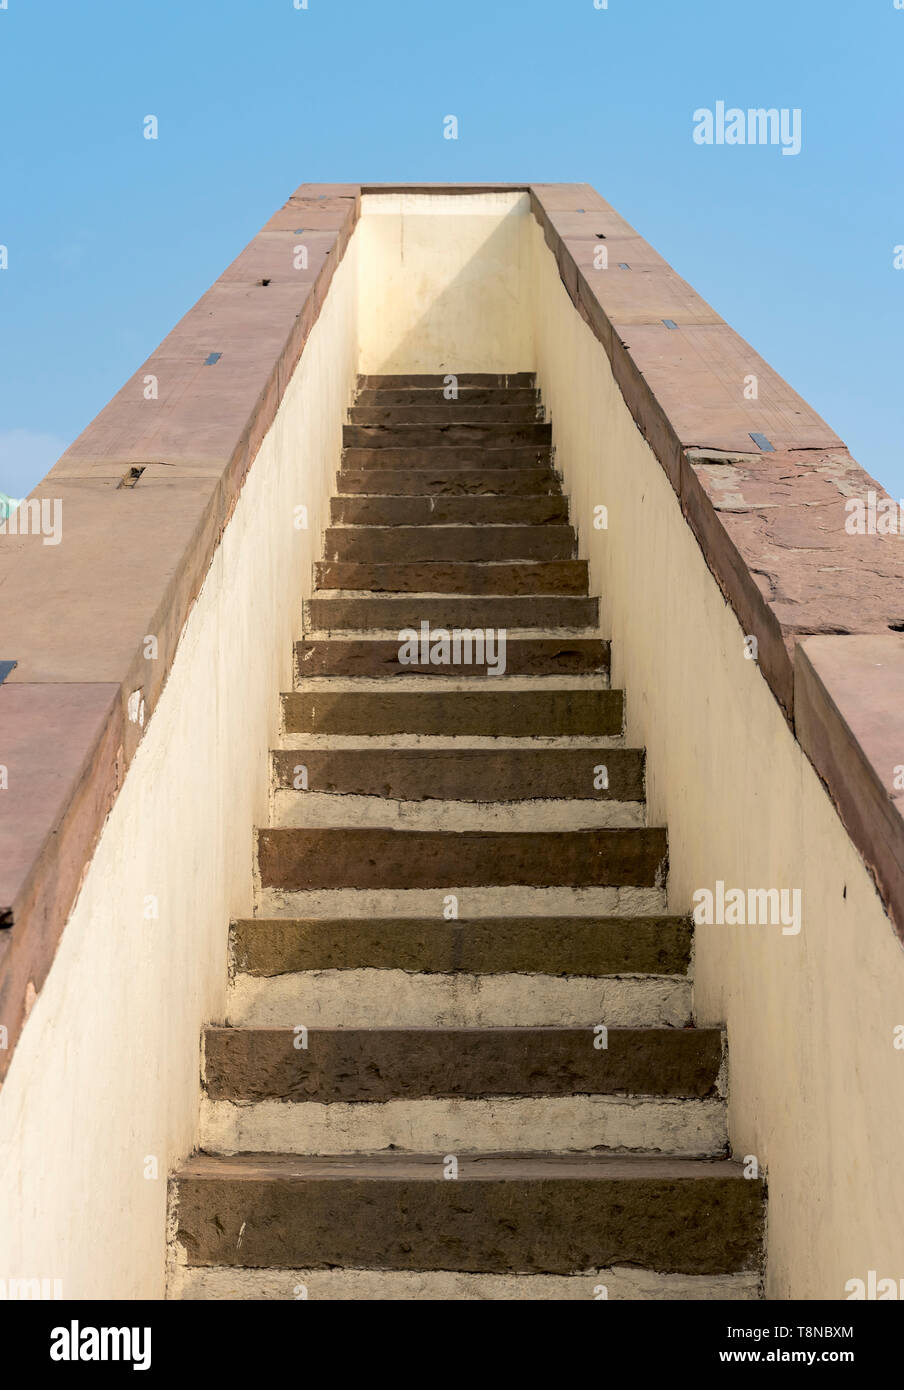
(459, 1060)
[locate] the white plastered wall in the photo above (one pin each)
(105, 1079)
(444, 283)
(815, 1082)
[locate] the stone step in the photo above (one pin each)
(467, 611)
(369, 998)
(543, 510)
(380, 1064)
(416, 457)
(472, 902)
(462, 482)
(391, 396)
(542, 1213)
(502, 435)
(485, 578)
(417, 381)
(563, 1124)
(335, 742)
(297, 860)
(312, 810)
(386, 544)
(565, 946)
(446, 413)
(486, 713)
(376, 657)
(448, 1286)
(512, 774)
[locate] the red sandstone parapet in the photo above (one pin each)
(75, 617)
(771, 525)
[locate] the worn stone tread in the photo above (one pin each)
(421, 435)
(524, 656)
(489, 454)
(462, 482)
(558, 946)
(462, 411)
(295, 859)
(338, 612)
(542, 1213)
(374, 1064)
(542, 510)
(461, 774)
(488, 713)
(488, 578)
(375, 544)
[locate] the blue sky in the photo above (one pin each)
(112, 237)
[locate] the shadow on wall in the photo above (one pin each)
(445, 292)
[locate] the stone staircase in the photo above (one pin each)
(459, 1060)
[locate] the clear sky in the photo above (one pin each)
(112, 237)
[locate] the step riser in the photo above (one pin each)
(358, 614)
(364, 1285)
(390, 397)
(522, 657)
(327, 811)
(401, 482)
(334, 743)
(381, 545)
(699, 1225)
(566, 946)
(301, 860)
(472, 902)
(446, 413)
(449, 511)
(567, 577)
(463, 713)
(688, 1128)
(443, 458)
(450, 774)
(399, 999)
(500, 436)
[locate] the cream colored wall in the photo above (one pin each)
(815, 1082)
(444, 281)
(106, 1073)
